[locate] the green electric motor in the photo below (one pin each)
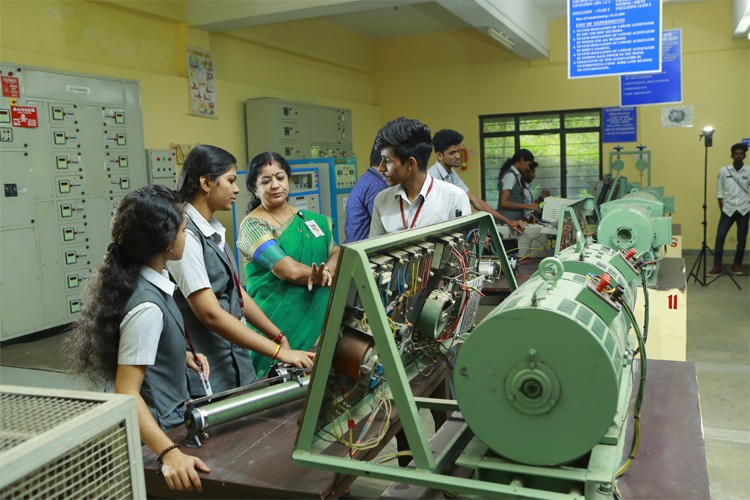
(636, 220)
(539, 379)
(595, 258)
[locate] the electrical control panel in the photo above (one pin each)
(71, 146)
(161, 167)
(297, 130)
(337, 177)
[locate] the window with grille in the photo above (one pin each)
(566, 144)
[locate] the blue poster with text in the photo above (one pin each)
(613, 37)
(659, 88)
(619, 125)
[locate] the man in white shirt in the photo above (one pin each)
(731, 191)
(448, 145)
(414, 198)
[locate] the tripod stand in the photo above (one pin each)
(707, 135)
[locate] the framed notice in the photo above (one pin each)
(619, 124)
(658, 88)
(201, 83)
(613, 37)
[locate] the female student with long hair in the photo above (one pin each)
(512, 203)
(288, 252)
(130, 330)
(210, 297)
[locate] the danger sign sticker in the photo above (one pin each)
(24, 116)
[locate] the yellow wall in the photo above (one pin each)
(89, 37)
(100, 39)
(447, 80)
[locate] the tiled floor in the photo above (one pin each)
(718, 342)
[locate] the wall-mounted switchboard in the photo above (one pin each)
(71, 148)
(161, 167)
(297, 130)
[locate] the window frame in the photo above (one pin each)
(562, 132)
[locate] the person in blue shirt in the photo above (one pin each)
(362, 199)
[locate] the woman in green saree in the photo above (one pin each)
(288, 254)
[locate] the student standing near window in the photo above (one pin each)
(448, 146)
(512, 203)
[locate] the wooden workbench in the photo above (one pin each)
(251, 457)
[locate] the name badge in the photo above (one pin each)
(314, 228)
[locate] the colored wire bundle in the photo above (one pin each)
(639, 396)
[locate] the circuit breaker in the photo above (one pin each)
(71, 147)
(162, 167)
(297, 130)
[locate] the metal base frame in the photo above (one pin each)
(430, 468)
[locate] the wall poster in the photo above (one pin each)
(201, 83)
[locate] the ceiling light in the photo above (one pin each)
(501, 38)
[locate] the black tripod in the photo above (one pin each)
(707, 135)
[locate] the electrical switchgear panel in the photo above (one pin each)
(71, 146)
(162, 167)
(297, 130)
(337, 177)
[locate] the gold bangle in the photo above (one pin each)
(278, 348)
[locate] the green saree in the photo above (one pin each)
(299, 313)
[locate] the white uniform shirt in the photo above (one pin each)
(439, 202)
(509, 181)
(734, 194)
(190, 271)
(439, 172)
(140, 329)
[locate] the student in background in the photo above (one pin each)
(512, 203)
(414, 198)
(448, 145)
(131, 332)
(289, 256)
(361, 200)
(734, 203)
(210, 297)
(528, 214)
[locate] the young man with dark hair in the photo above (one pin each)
(414, 198)
(361, 200)
(447, 144)
(734, 203)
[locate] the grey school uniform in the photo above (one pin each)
(231, 366)
(511, 179)
(165, 385)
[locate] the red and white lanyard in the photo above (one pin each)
(416, 215)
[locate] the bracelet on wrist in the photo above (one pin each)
(279, 338)
(160, 458)
(278, 348)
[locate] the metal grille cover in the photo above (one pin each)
(68, 444)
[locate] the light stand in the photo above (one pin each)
(707, 136)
